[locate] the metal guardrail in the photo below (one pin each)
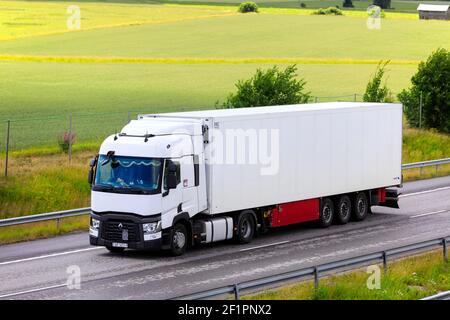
(44, 217)
(78, 212)
(382, 256)
(425, 164)
(440, 296)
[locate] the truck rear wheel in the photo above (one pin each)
(326, 212)
(178, 240)
(245, 227)
(360, 206)
(343, 209)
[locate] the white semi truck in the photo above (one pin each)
(170, 181)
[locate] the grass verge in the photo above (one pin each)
(410, 278)
(44, 229)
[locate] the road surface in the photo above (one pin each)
(39, 269)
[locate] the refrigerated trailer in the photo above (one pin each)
(173, 180)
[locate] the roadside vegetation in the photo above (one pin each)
(409, 278)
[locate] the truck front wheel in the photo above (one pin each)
(326, 213)
(178, 240)
(245, 228)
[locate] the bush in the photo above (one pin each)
(66, 139)
(375, 91)
(329, 11)
(302, 5)
(433, 81)
(248, 7)
(383, 4)
(348, 4)
(269, 87)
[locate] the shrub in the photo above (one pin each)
(432, 80)
(375, 90)
(384, 4)
(302, 5)
(269, 87)
(66, 139)
(329, 11)
(348, 4)
(248, 7)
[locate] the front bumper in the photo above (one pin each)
(107, 234)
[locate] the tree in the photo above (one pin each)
(269, 87)
(432, 81)
(348, 4)
(375, 90)
(383, 4)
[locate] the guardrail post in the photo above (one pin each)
(8, 127)
(316, 278)
(236, 292)
(58, 223)
(384, 262)
(316, 99)
(444, 249)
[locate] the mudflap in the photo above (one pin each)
(391, 199)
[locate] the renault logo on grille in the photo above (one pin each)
(120, 226)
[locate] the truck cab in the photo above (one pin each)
(145, 180)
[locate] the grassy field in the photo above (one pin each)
(410, 278)
(133, 56)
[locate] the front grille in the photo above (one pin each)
(112, 232)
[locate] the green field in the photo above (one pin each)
(139, 57)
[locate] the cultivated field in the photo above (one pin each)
(155, 57)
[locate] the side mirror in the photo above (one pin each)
(92, 164)
(91, 176)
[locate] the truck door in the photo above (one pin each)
(189, 191)
(172, 199)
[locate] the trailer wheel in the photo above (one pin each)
(115, 250)
(343, 210)
(360, 206)
(178, 239)
(326, 213)
(245, 227)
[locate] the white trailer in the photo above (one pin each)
(176, 179)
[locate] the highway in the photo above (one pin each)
(38, 269)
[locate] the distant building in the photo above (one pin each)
(434, 11)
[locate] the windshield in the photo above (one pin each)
(128, 174)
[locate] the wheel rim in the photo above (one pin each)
(344, 210)
(246, 228)
(327, 213)
(179, 239)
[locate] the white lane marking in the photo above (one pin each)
(32, 290)
(264, 246)
(422, 192)
(49, 255)
(428, 213)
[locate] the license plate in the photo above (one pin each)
(119, 245)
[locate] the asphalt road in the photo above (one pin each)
(39, 269)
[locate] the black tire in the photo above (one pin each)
(115, 250)
(343, 210)
(360, 206)
(326, 214)
(245, 227)
(178, 240)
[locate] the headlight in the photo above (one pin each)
(95, 224)
(152, 227)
